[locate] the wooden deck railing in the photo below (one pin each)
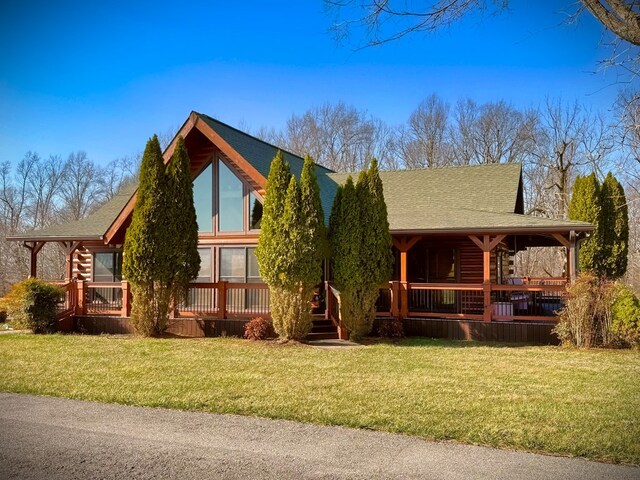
(527, 302)
(538, 300)
(446, 300)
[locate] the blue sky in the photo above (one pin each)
(104, 76)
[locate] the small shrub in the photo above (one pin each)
(586, 319)
(258, 329)
(32, 304)
(626, 316)
(391, 329)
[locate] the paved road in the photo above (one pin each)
(52, 438)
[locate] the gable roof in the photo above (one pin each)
(257, 152)
(92, 227)
(478, 198)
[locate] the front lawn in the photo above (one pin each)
(542, 399)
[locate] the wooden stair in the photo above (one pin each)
(323, 330)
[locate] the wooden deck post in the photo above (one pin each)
(573, 257)
(34, 248)
(486, 278)
(222, 300)
(395, 300)
(404, 244)
(69, 249)
(327, 301)
(80, 299)
(125, 299)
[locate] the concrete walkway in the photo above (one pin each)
(66, 439)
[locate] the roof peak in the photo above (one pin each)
(328, 170)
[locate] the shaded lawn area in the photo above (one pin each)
(541, 399)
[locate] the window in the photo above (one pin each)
(443, 265)
(230, 200)
(255, 212)
(203, 199)
(239, 265)
(107, 267)
(204, 276)
(232, 265)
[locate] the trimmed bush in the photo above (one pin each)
(626, 316)
(391, 329)
(258, 328)
(31, 304)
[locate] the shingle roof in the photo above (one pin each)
(91, 228)
(479, 198)
(475, 197)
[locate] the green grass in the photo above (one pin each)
(541, 399)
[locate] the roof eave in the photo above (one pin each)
(497, 230)
(53, 238)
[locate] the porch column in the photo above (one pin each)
(487, 244)
(486, 278)
(69, 249)
(34, 248)
(570, 245)
(573, 257)
(404, 244)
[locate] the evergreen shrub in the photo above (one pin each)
(31, 304)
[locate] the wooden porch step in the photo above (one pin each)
(322, 336)
(323, 330)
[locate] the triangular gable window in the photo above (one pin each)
(224, 203)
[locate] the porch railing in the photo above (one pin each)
(527, 302)
(538, 300)
(445, 300)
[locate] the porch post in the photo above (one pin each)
(34, 248)
(404, 245)
(69, 249)
(573, 257)
(126, 305)
(486, 277)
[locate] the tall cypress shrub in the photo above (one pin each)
(613, 229)
(147, 249)
(182, 226)
(585, 206)
(291, 246)
(361, 249)
(273, 268)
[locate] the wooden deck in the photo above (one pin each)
(517, 313)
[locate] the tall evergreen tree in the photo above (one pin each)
(291, 247)
(613, 229)
(381, 256)
(273, 267)
(361, 248)
(585, 206)
(147, 248)
(182, 226)
(313, 220)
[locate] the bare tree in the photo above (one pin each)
(422, 141)
(387, 20)
(492, 133)
(339, 137)
(80, 189)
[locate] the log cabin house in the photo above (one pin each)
(455, 231)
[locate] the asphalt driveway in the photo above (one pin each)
(55, 438)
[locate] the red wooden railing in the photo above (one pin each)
(539, 299)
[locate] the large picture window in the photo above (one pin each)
(203, 199)
(230, 200)
(223, 202)
(107, 267)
